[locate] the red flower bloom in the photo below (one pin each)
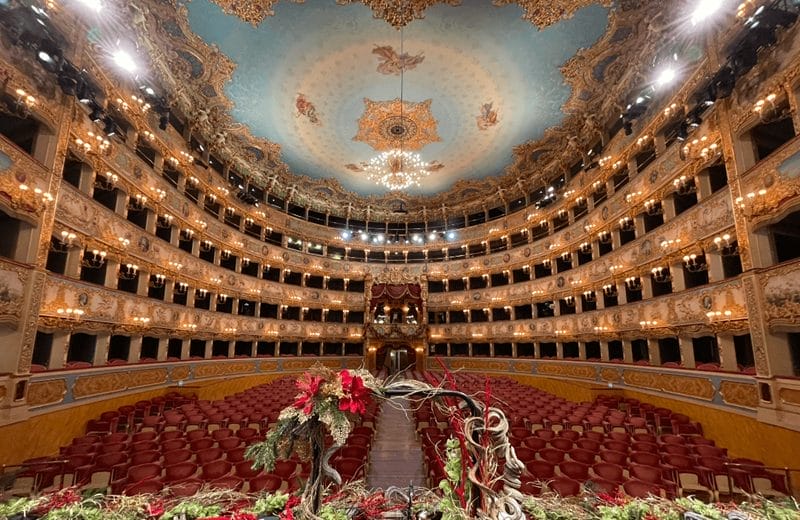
(155, 509)
(356, 395)
(309, 385)
(287, 513)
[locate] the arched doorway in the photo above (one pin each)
(395, 357)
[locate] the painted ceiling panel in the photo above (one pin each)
(319, 78)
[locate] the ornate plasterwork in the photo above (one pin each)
(389, 125)
(400, 13)
(698, 387)
(46, 392)
(739, 394)
(117, 381)
(567, 370)
(543, 14)
(598, 78)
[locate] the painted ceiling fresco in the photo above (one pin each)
(323, 81)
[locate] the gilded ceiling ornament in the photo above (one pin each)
(386, 125)
(544, 14)
(399, 14)
(252, 12)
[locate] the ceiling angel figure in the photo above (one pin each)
(393, 63)
(488, 116)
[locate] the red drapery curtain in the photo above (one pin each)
(405, 292)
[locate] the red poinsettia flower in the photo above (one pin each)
(356, 395)
(155, 509)
(309, 386)
(287, 513)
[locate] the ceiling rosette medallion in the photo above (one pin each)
(390, 125)
(545, 13)
(399, 14)
(252, 12)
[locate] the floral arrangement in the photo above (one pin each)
(334, 399)
(354, 501)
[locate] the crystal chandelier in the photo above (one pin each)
(397, 169)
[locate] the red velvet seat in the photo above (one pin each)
(566, 487)
(610, 472)
(540, 469)
(562, 444)
(574, 470)
(582, 456)
(185, 488)
(534, 443)
(268, 483)
(201, 444)
(208, 455)
(214, 470)
(143, 457)
(176, 456)
(144, 487)
(645, 457)
(614, 457)
(179, 472)
(638, 489)
(232, 483)
(235, 455)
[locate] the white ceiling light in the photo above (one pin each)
(665, 77)
(705, 9)
(124, 60)
(94, 5)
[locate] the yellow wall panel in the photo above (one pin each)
(44, 434)
(743, 436)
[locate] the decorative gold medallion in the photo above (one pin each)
(386, 126)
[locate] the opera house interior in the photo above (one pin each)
(587, 210)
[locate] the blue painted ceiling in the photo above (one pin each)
(302, 77)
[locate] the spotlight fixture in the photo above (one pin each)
(163, 122)
(665, 77)
(704, 10)
(124, 60)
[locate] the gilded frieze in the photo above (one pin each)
(739, 394)
(51, 391)
(790, 396)
(223, 369)
(268, 366)
(109, 382)
(522, 366)
(697, 387)
(179, 373)
(292, 365)
(567, 370)
(148, 377)
(610, 375)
